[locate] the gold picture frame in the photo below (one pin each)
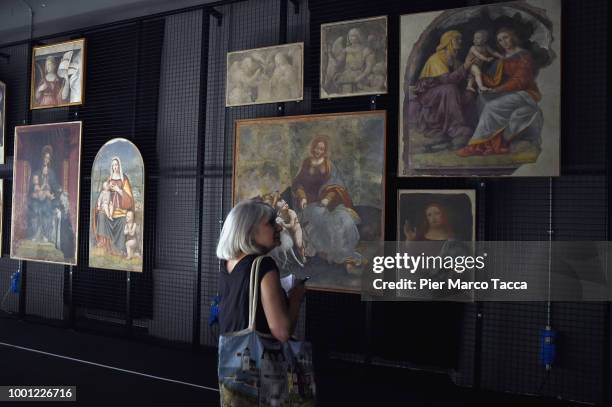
(46, 192)
(58, 75)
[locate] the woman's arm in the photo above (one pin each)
(281, 319)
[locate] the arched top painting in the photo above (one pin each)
(117, 207)
(480, 91)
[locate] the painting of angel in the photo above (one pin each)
(354, 58)
(265, 75)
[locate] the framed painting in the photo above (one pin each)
(354, 58)
(45, 207)
(2, 120)
(438, 223)
(480, 91)
(328, 171)
(58, 74)
(117, 207)
(265, 75)
(436, 215)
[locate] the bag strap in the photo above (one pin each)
(254, 291)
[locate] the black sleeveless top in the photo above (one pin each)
(234, 292)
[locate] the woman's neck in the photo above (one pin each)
(317, 161)
(231, 263)
(512, 51)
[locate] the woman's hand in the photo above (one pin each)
(296, 294)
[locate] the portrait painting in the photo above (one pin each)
(324, 174)
(265, 75)
(117, 207)
(480, 91)
(58, 73)
(45, 207)
(2, 120)
(354, 58)
(437, 223)
(436, 215)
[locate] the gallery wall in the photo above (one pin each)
(160, 82)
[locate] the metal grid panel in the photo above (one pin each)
(12, 74)
(245, 25)
(174, 277)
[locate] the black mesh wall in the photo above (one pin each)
(13, 72)
(160, 82)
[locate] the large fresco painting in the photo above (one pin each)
(325, 176)
(480, 91)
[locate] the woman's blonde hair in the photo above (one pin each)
(238, 232)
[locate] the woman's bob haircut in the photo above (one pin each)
(239, 228)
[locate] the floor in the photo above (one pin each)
(152, 374)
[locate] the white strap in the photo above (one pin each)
(254, 291)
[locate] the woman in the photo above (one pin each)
(109, 233)
(251, 230)
(434, 226)
(327, 214)
(511, 106)
(50, 88)
(438, 109)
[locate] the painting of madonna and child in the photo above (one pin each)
(325, 176)
(480, 91)
(117, 207)
(45, 210)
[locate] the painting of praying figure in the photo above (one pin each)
(354, 58)
(45, 206)
(58, 74)
(117, 207)
(480, 91)
(325, 176)
(265, 75)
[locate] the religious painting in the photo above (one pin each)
(46, 173)
(436, 215)
(325, 176)
(58, 73)
(436, 224)
(265, 75)
(480, 91)
(354, 58)
(117, 207)
(2, 120)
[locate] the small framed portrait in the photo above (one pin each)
(58, 74)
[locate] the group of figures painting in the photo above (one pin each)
(479, 96)
(46, 175)
(45, 217)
